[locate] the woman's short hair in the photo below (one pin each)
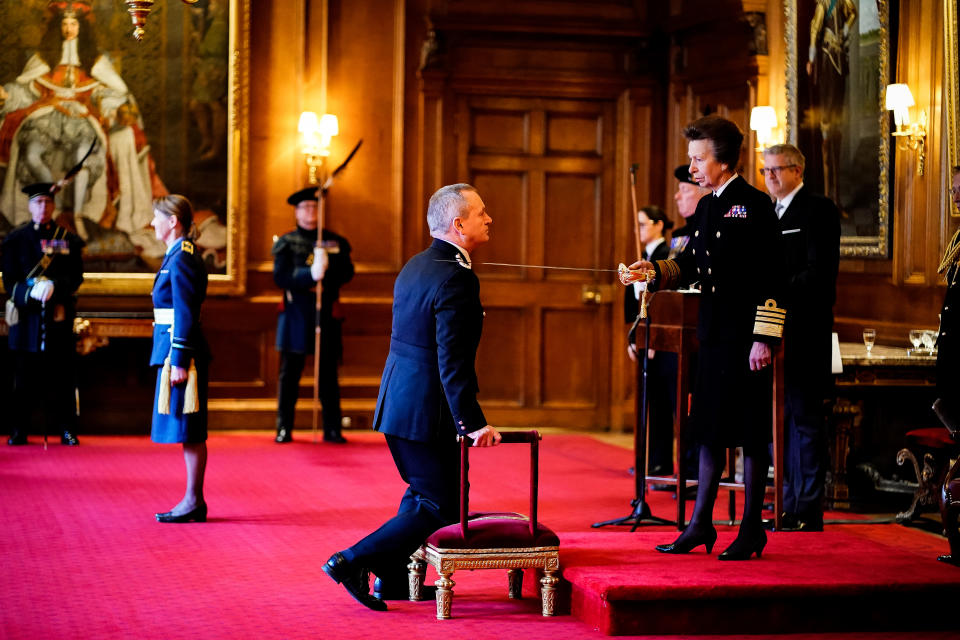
(176, 205)
(724, 135)
(656, 214)
(445, 205)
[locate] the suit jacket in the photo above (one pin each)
(181, 285)
(292, 257)
(735, 255)
(631, 306)
(23, 248)
(428, 390)
(948, 340)
(810, 242)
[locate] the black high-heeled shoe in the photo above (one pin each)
(198, 514)
(689, 540)
(745, 546)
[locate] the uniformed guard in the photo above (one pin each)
(180, 352)
(42, 270)
(734, 253)
(298, 264)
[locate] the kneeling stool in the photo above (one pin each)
(493, 540)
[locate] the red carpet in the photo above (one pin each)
(82, 556)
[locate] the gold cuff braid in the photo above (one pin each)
(770, 319)
(669, 274)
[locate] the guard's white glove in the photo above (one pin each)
(42, 290)
(320, 262)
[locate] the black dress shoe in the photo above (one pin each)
(745, 545)
(335, 438)
(354, 580)
(284, 435)
(689, 540)
(795, 523)
(401, 592)
(198, 514)
(17, 438)
(69, 439)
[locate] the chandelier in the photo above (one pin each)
(139, 10)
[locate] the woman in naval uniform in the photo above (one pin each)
(734, 255)
(180, 352)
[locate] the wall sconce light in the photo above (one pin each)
(912, 135)
(316, 135)
(763, 120)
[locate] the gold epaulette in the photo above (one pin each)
(187, 246)
(770, 320)
(669, 274)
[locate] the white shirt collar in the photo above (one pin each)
(720, 189)
(461, 250)
(787, 199)
(653, 244)
(175, 244)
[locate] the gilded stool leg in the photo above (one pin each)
(548, 592)
(444, 594)
(515, 583)
(416, 571)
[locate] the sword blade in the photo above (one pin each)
(535, 266)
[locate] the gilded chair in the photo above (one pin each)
(491, 540)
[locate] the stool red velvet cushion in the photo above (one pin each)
(931, 437)
(494, 530)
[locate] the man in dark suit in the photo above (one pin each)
(42, 270)
(810, 242)
(428, 394)
(298, 264)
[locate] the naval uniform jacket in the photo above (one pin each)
(810, 242)
(734, 254)
(429, 385)
(23, 248)
(292, 257)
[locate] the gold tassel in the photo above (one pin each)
(163, 400)
(191, 399)
(643, 304)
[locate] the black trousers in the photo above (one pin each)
(45, 382)
(291, 369)
(432, 501)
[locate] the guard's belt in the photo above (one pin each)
(163, 316)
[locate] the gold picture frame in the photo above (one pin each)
(951, 93)
(836, 113)
(184, 104)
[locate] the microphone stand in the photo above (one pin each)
(641, 513)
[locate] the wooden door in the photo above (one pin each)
(544, 168)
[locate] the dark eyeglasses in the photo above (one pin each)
(775, 171)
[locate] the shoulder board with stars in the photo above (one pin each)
(187, 246)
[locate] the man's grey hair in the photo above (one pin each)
(792, 154)
(445, 205)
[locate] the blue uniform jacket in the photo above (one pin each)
(22, 250)
(181, 284)
(292, 257)
(429, 386)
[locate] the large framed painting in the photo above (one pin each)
(838, 65)
(951, 94)
(167, 114)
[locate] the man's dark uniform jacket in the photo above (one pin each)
(428, 395)
(23, 248)
(292, 256)
(734, 254)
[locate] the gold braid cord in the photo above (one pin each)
(770, 320)
(953, 250)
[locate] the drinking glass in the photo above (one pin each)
(929, 339)
(916, 338)
(869, 337)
